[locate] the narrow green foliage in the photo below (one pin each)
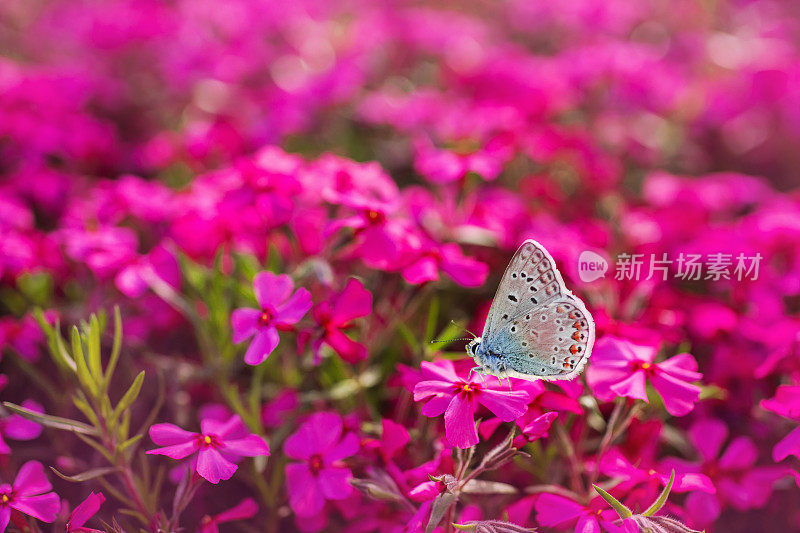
(662, 498)
(56, 422)
(617, 505)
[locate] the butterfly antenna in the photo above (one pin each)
(450, 340)
(465, 329)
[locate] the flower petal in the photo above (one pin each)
(708, 436)
(334, 483)
(318, 434)
(353, 302)
(176, 451)
(741, 454)
(459, 422)
(425, 389)
(436, 405)
(305, 497)
(246, 508)
(244, 323)
(679, 397)
(294, 309)
(31, 479)
(632, 387)
(507, 405)
(464, 270)
(85, 510)
(169, 434)
(347, 348)
(212, 466)
(348, 446)
(43, 507)
(422, 270)
(789, 445)
(271, 289)
(229, 427)
(261, 346)
(553, 510)
(250, 446)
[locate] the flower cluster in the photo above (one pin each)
(230, 232)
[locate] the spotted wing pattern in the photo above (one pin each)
(536, 327)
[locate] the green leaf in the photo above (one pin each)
(56, 422)
(618, 506)
(662, 498)
(82, 403)
(38, 287)
(128, 443)
(54, 341)
(93, 349)
(129, 397)
(80, 362)
(115, 349)
(439, 508)
(85, 476)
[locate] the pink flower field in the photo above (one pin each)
(245, 243)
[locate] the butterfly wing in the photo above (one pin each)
(549, 334)
(529, 281)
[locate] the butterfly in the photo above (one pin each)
(536, 328)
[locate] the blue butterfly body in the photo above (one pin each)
(536, 328)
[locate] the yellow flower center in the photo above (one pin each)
(207, 439)
(5, 498)
(467, 387)
(646, 366)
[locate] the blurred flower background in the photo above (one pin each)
(230, 230)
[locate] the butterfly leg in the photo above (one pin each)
(478, 369)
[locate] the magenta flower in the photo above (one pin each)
(334, 317)
(786, 402)
(560, 512)
(458, 398)
(29, 494)
(279, 309)
(216, 446)
(19, 428)
(448, 258)
(320, 475)
(243, 510)
(621, 368)
(739, 482)
(83, 512)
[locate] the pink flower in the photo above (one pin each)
(22, 335)
(643, 481)
(334, 317)
(29, 494)
(621, 368)
(448, 258)
(458, 398)
(246, 508)
(158, 265)
(83, 512)
(275, 412)
(19, 428)
(279, 309)
(739, 482)
(216, 445)
(786, 402)
(560, 512)
(320, 475)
